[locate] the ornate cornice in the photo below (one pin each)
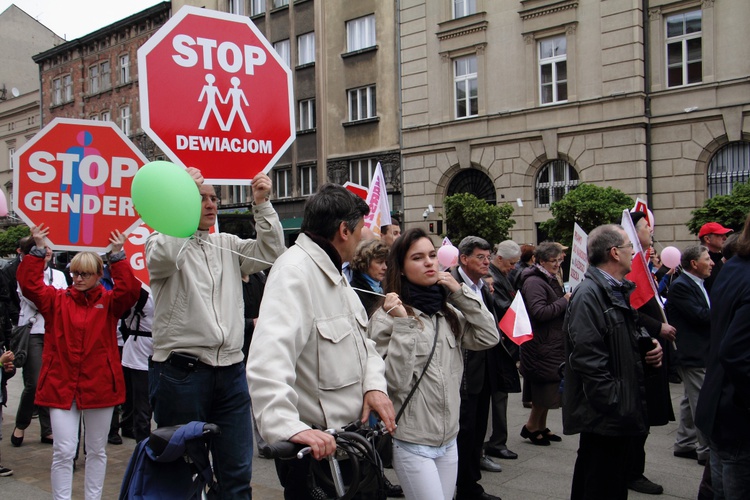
(550, 8)
(462, 30)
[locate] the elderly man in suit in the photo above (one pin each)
(689, 310)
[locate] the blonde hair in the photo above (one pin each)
(87, 262)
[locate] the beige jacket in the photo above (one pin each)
(197, 288)
(310, 362)
(431, 416)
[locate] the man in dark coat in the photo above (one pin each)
(689, 310)
(723, 409)
(603, 398)
(481, 370)
(505, 256)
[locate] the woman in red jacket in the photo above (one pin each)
(81, 371)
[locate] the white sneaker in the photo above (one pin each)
(5, 472)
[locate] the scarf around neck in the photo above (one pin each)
(428, 299)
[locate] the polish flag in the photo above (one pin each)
(515, 323)
(645, 288)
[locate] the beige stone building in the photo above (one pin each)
(21, 36)
(343, 57)
(522, 100)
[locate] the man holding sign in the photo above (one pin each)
(197, 370)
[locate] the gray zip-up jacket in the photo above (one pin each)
(197, 288)
(431, 416)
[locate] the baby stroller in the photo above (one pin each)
(172, 463)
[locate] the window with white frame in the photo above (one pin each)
(553, 70)
(125, 120)
(105, 75)
(280, 3)
(306, 114)
(237, 7)
(360, 171)
(684, 49)
(237, 194)
(306, 48)
(11, 152)
(308, 180)
(125, 68)
(57, 91)
(728, 167)
(94, 79)
(463, 8)
(466, 86)
(257, 7)
(362, 103)
(106, 116)
(283, 182)
(555, 179)
(282, 49)
(360, 33)
(67, 83)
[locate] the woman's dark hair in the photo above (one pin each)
(527, 252)
(742, 246)
(395, 278)
(728, 249)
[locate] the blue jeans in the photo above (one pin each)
(210, 394)
(730, 470)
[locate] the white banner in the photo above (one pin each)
(579, 261)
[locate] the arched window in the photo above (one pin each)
(554, 180)
(730, 165)
(475, 182)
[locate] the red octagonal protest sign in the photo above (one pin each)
(215, 95)
(75, 176)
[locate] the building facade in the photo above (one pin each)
(343, 57)
(95, 77)
(522, 100)
(21, 36)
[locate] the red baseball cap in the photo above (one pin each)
(713, 228)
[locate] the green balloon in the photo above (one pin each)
(167, 198)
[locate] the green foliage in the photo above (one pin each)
(588, 205)
(467, 215)
(729, 210)
(9, 238)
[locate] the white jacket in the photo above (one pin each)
(197, 288)
(310, 361)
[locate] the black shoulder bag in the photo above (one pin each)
(19, 342)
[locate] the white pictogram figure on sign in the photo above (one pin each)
(211, 93)
(238, 98)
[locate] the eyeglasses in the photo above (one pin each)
(482, 257)
(85, 276)
(623, 247)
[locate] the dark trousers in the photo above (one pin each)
(30, 379)
(140, 416)
(600, 468)
(472, 428)
(124, 409)
(636, 464)
(499, 437)
(212, 394)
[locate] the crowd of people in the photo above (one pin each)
(358, 328)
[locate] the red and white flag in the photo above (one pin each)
(377, 199)
(645, 288)
(515, 323)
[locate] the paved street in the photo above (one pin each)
(540, 473)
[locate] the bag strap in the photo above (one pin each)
(424, 370)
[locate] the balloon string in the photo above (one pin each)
(234, 252)
(367, 291)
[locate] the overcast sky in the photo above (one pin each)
(73, 19)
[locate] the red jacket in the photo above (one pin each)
(80, 360)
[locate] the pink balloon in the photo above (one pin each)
(670, 257)
(3, 204)
(447, 256)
